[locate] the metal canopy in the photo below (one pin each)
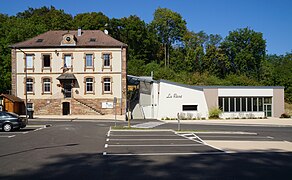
(135, 80)
(66, 76)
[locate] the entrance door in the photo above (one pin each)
(268, 110)
(67, 90)
(66, 108)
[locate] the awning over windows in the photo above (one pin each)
(66, 76)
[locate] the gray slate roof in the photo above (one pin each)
(66, 76)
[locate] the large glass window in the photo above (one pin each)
(221, 103)
(254, 104)
(260, 104)
(226, 104)
(238, 104)
(232, 104)
(268, 100)
(243, 104)
(89, 60)
(249, 102)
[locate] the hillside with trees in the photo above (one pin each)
(164, 46)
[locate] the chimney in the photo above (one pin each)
(79, 32)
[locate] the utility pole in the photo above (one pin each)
(25, 67)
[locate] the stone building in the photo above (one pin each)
(70, 72)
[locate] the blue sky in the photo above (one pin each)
(271, 17)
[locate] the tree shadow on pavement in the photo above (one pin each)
(216, 166)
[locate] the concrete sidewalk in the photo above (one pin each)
(258, 122)
(79, 117)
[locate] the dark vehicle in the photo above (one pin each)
(10, 121)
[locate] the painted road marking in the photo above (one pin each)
(7, 136)
(148, 139)
(148, 125)
(156, 145)
(166, 154)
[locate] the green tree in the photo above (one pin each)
(170, 28)
(246, 50)
(91, 21)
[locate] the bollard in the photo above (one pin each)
(178, 122)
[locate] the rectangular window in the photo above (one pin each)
(254, 104)
(221, 103)
(29, 61)
(29, 85)
(231, 104)
(268, 100)
(189, 107)
(238, 104)
(106, 59)
(226, 104)
(89, 60)
(249, 104)
(107, 85)
(67, 61)
(260, 104)
(89, 85)
(47, 85)
(47, 61)
(243, 104)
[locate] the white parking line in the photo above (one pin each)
(7, 136)
(165, 154)
(143, 135)
(156, 145)
(148, 140)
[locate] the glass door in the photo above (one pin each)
(268, 110)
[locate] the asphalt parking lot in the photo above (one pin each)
(168, 142)
(92, 150)
(26, 130)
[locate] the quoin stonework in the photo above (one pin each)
(70, 72)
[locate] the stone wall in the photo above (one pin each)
(77, 107)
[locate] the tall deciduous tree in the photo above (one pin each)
(91, 21)
(246, 50)
(170, 27)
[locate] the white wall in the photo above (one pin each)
(172, 97)
(234, 92)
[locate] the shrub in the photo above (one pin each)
(285, 115)
(214, 113)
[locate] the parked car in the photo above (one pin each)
(10, 121)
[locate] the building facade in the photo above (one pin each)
(165, 99)
(70, 72)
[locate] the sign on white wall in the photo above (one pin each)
(107, 105)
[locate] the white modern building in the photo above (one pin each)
(165, 99)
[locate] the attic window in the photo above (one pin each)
(92, 40)
(39, 40)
